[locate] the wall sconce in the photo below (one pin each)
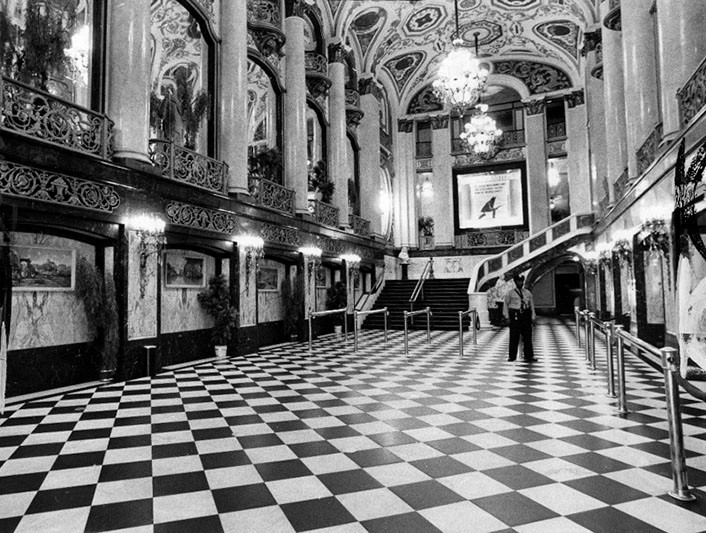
(352, 263)
(312, 257)
(604, 251)
(590, 261)
(622, 245)
(254, 248)
(149, 230)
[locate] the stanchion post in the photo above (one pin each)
(474, 321)
(609, 335)
(428, 325)
(585, 334)
(355, 330)
(620, 351)
(406, 351)
(345, 326)
(676, 436)
(310, 329)
(577, 318)
(460, 333)
(592, 344)
(385, 315)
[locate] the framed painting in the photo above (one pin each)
(268, 279)
(183, 271)
(490, 199)
(38, 268)
(321, 274)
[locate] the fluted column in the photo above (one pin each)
(580, 199)
(681, 48)
(295, 135)
(129, 82)
(234, 91)
(338, 156)
(442, 166)
(369, 139)
(641, 106)
(405, 214)
(614, 103)
(536, 166)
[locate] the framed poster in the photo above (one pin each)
(321, 274)
(38, 268)
(268, 279)
(490, 199)
(183, 271)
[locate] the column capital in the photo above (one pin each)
(369, 85)
(575, 98)
(337, 53)
(439, 122)
(405, 125)
(294, 8)
(534, 107)
(591, 40)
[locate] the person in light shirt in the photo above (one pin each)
(519, 311)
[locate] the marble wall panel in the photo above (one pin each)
(269, 303)
(248, 294)
(48, 318)
(654, 287)
(181, 310)
(141, 291)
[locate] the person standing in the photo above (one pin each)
(519, 311)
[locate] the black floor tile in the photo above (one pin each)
(518, 477)
(134, 513)
(401, 523)
(349, 481)
(224, 459)
(317, 514)
(374, 457)
(606, 520)
(514, 509)
(282, 470)
(437, 467)
(64, 498)
(179, 483)
(425, 494)
(606, 489)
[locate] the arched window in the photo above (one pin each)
(50, 46)
(180, 98)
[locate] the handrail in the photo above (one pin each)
(313, 315)
(474, 314)
(371, 312)
(407, 314)
(420, 283)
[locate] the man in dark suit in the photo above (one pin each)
(519, 311)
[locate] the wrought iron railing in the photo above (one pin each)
(483, 239)
(647, 153)
(324, 213)
(189, 167)
(315, 62)
(272, 195)
(38, 114)
(621, 185)
(512, 138)
(264, 11)
(691, 96)
(360, 225)
(556, 131)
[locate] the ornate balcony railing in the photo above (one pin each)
(556, 131)
(186, 166)
(265, 23)
(621, 185)
(38, 114)
(354, 114)
(483, 239)
(647, 153)
(323, 213)
(317, 79)
(512, 138)
(360, 225)
(612, 19)
(692, 96)
(272, 195)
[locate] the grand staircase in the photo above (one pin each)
(445, 297)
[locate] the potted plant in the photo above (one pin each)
(320, 184)
(97, 292)
(426, 226)
(266, 164)
(216, 301)
(337, 298)
(293, 306)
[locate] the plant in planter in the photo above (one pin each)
(216, 301)
(98, 295)
(293, 306)
(320, 183)
(266, 164)
(337, 298)
(426, 226)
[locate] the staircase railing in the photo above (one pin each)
(563, 232)
(419, 287)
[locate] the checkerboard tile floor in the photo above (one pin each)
(287, 440)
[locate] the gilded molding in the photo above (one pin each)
(201, 217)
(439, 122)
(575, 98)
(34, 184)
(591, 40)
(280, 234)
(405, 126)
(534, 107)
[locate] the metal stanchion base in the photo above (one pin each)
(682, 496)
(612, 395)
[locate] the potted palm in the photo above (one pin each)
(216, 301)
(97, 292)
(337, 298)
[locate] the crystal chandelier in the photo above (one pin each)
(481, 134)
(461, 76)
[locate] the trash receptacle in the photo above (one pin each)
(151, 363)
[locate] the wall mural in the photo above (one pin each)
(403, 67)
(367, 25)
(563, 33)
(181, 310)
(42, 318)
(425, 101)
(538, 77)
(142, 310)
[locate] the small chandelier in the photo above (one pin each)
(461, 76)
(481, 134)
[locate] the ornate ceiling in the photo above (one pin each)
(402, 41)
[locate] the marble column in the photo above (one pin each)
(580, 198)
(295, 135)
(405, 211)
(614, 102)
(681, 49)
(537, 195)
(369, 139)
(337, 139)
(129, 78)
(641, 105)
(233, 95)
(442, 170)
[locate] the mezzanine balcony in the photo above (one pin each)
(186, 166)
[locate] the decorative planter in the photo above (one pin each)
(338, 330)
(106, 376)
(221, 351)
